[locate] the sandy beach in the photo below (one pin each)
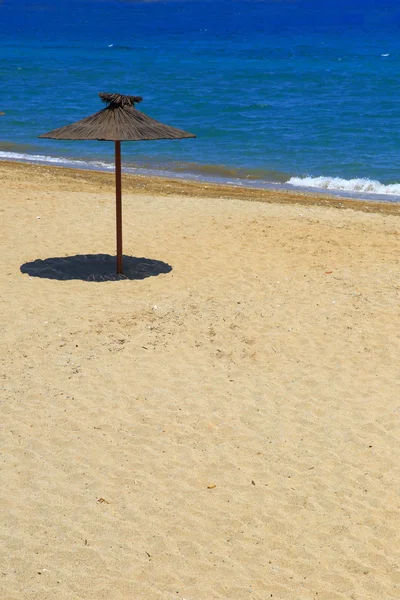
(222, 424)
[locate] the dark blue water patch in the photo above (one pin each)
(89, 19)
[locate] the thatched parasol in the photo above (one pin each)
(119, 122)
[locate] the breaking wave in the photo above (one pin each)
(368, 186)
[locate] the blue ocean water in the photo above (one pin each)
(279, 92)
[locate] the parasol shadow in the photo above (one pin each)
(94, 267)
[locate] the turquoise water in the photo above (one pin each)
(288, 93)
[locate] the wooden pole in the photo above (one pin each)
(118, 205)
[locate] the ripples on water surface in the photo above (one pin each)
(290, 91)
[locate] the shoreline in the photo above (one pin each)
(91, 180)
(361, 188)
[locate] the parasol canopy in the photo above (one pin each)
(119, 122)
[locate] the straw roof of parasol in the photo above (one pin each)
(120, 120)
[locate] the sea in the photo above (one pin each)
(293, 94)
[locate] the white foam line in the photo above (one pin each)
(369, 186)
(53, 160)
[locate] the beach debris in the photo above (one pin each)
(328, 272)
(211, 486)
(253, 482)
(103, 501)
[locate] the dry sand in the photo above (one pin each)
(225, 429)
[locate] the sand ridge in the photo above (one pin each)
(225, 429)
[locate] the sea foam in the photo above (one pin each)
(65, 162)
(369, 186)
